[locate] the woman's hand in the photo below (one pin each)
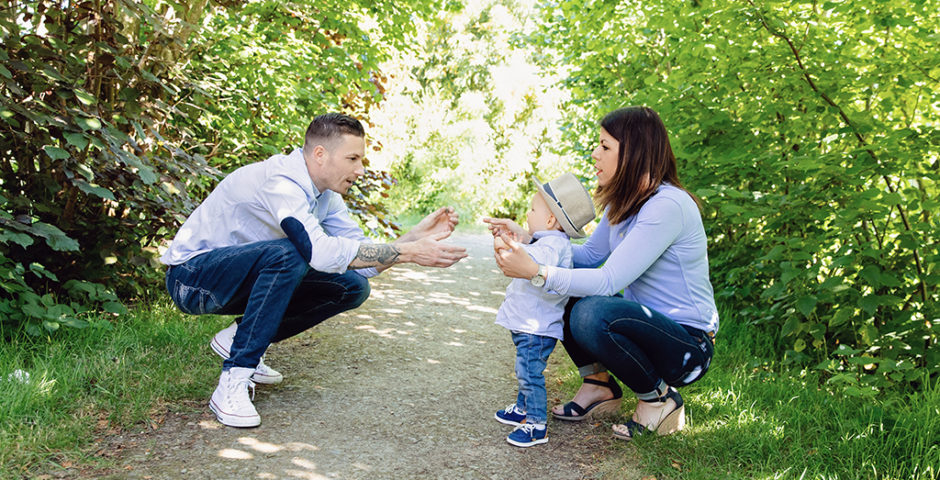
(499, 226)
(512, 259)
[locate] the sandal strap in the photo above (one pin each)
(635, 429)
(611, 385)
(572, 407)
(673, 394)
(594, 382)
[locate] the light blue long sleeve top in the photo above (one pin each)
(534, 310)
(658, 258)
(271, 200)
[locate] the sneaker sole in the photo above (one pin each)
(527, 444)
(232, 420)
(262, 379)
(266, 379)
(219, 349)
(507, 422)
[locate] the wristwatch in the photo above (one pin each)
(539, 279)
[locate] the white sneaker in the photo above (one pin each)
(230, 400)
(222, 344)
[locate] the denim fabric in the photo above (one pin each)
(532, 353)
(271, 285)
(641, 347)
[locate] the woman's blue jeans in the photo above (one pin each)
(532, 353)
(270, 285)
(643, 348)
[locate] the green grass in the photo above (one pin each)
(84, 382)
(752, 418)
(748, 418)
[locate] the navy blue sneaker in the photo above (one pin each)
(511, 415)
(528, 434)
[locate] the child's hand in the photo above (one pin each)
(499, 226)
(499, 245)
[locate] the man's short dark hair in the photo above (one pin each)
(326, 128)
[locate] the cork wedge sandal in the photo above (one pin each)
(671, 423)
(576, 413)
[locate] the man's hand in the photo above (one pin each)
(499, 226)
(428, 251)
(440, 221)
(431, 252)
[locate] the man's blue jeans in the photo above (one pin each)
(270, 285)
(532, 353)
(643, 348)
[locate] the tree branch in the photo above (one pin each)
(858, 136)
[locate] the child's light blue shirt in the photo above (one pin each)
(529, 309)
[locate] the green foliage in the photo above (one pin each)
(267, 68)
(753, 417)
(469, 117)
(90, 170)
(809, 130)
(60, 396)
(118, 116)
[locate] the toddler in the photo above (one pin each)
(533, 315)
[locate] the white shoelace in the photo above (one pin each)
(527, 428)
(238, 387)
(512, 408)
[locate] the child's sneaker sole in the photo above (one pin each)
(507, 421)
(529, 443)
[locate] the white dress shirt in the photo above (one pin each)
(251, 204)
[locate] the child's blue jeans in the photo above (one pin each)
(269, 283)
(532, 353)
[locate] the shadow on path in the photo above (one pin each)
(404, 387)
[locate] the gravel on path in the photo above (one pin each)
(405, 387)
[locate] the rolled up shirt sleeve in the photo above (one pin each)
(286, 202)
(338, 223)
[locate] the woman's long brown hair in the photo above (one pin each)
(645, 161)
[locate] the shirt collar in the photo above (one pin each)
(299, 153)
(548, 233)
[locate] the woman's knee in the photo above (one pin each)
(587, 320)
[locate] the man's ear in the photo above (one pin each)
(319, 154)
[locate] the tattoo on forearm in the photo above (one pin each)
(383, 254)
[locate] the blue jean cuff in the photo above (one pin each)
(591, 369)
(661, 389)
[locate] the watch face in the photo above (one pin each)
(537, 281)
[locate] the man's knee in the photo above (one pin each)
(358, 290)
(283, 254)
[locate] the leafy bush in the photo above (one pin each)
(117, 118)
(90, 176)
(806, 129)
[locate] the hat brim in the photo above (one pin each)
(557, 211)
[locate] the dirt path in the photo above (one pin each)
(402, 388)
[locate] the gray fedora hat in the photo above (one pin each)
(569, 202)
